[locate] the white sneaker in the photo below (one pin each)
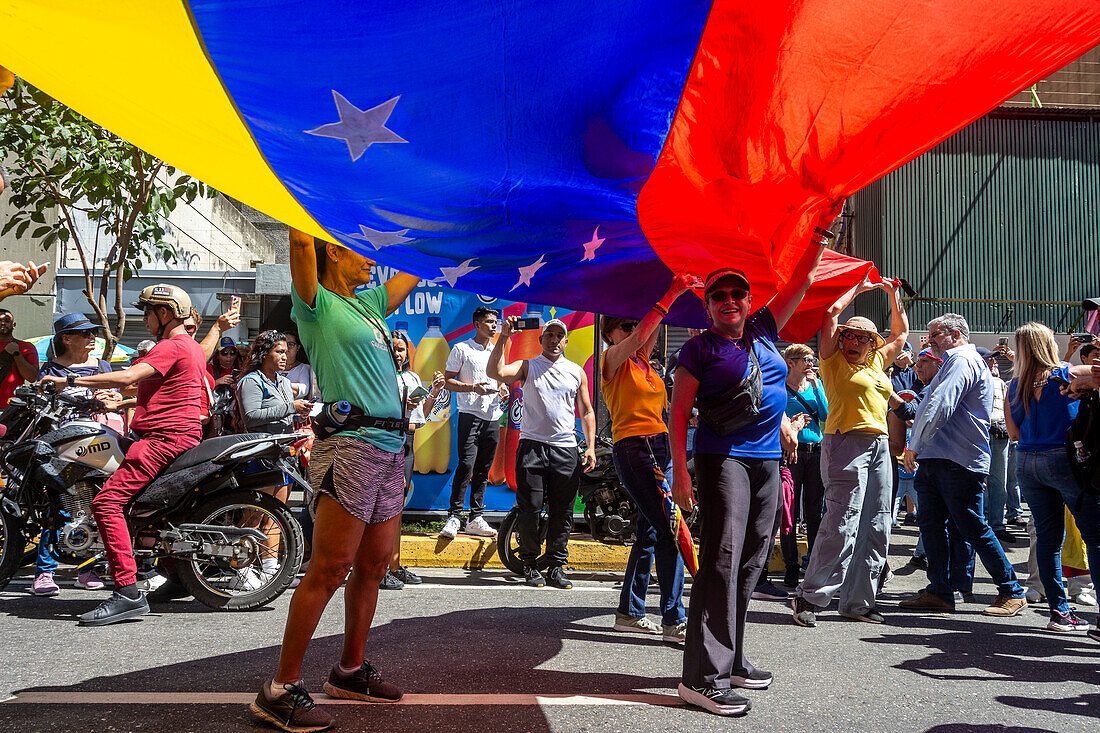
(450, 529)
(480, 528)
(151, 583)
(643, 625)
(1087, 597)
(247, 579)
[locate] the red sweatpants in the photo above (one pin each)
(145, 459)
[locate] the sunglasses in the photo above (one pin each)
(859, 338)
(722, 296)
(628, 326)
(227, 351)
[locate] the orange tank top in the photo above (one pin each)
(635, 398)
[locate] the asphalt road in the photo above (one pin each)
(478, 651)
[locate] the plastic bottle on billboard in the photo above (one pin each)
(432, 442)
(524, 345)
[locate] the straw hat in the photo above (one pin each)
(863, 325)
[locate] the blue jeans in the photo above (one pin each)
(948, 492)
(1048, 485)
(996, 486)
(45, 562)
(638, 460)
(905, 488)
(1013, 508)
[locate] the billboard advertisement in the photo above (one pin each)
(436, 318)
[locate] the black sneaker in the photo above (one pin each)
(1093, 633)
(1065, 623)
(293, 711)
(1017, 522)
(803, 612)
(365, 683)
(790, 578)
(116, 608)
(711, 699)
(390, 582)
(758, 679)
(557, 578)
(870, 616)
(533, 577)
(407, 576)
(766, 591)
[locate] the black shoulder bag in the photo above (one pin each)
(805, 405)
(737, 407)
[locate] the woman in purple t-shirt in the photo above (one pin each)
(737, 476)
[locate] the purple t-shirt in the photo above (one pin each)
(719, 364)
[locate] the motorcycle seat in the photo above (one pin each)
(209, 449)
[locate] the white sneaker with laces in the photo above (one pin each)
(151, 583)
(1087, 597)
(643, 625)
(247, 579)
(450, 529)
(478, 527)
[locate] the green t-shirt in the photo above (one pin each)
(350, 357)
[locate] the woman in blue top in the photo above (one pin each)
(1038, 417)
(737, 477)
(804, 397)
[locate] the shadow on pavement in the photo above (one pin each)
(971, 728)
(1087, 705)
(489, 651)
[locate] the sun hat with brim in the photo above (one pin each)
(723, 274)
(72, 323)
(864, 325)
(556, 322)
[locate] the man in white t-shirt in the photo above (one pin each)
(478, 399)
(548, 467)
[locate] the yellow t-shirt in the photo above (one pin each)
(858, 394)
(635, 397)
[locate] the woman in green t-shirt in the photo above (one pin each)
(358, 475)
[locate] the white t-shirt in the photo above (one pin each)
(407, 381)
(549, 401)
(470, 359)
(303, 381)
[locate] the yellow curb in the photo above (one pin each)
(476, 553)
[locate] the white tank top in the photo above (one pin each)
(549, 401)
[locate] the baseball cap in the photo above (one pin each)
(927, 354)
(723, 273)
(556, 322)
(227, 342)
(984, 352)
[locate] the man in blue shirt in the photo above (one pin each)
(950, 438)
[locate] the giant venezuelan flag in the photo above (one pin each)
(575, 153)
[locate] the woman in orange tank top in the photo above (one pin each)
(636, 399)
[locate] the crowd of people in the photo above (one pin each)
(850, 441)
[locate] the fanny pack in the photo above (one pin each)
(737, 407)
(357, 419)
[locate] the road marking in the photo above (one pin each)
(243, 698)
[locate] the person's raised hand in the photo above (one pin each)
(508, 327)
(230, 318)
(12, 347)
(439, 381)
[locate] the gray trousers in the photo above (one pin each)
(737, 498)
(854, 537)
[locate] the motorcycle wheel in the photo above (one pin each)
(12, 546)
(508, 541)
(213, 585)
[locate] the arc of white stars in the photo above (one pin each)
(360, 128)
(451, 274)
(528, 272)
(592, 245)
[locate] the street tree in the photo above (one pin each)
(62, 163)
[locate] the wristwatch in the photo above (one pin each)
(71, 379)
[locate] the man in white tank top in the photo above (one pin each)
(548, 465)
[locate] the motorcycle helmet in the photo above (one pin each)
(175, 299)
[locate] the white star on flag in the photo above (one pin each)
(592, 245)
(360, 128)
(528, 272)
(378, 239)
(451, 274)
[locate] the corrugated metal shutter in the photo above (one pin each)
(1006, 211)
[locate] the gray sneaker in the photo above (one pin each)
(643, 625)
(675, 634)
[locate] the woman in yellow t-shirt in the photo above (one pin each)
(854, 536)
(636, 399)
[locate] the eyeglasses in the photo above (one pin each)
(859, 338)
(291, 344)
(721, 296)
(806, 359)
(628, 326)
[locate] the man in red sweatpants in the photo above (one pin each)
(167, 422)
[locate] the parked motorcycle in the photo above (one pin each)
(206, 512)
(609, 511)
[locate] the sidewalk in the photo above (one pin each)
(475, 553)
